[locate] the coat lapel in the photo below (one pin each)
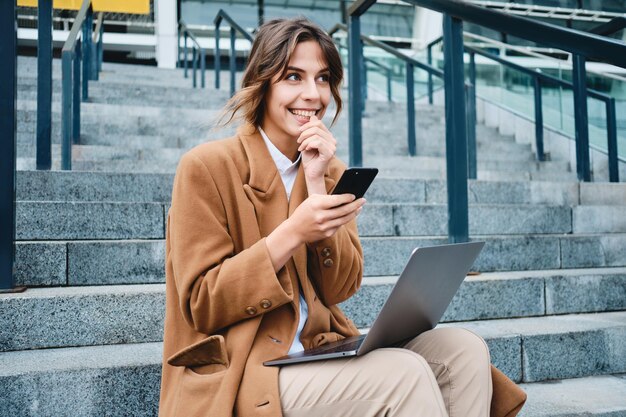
(264, 189)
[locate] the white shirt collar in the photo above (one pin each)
(283, 163)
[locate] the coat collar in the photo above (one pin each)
(263, 170)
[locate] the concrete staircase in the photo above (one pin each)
(85, 338)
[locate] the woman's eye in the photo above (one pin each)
(292, 77)
(324, 78)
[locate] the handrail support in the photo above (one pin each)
(355, 56)
(456, 135)
(579, 76)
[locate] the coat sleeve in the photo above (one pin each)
(216, 287)
(336, 264)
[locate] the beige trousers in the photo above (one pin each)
(442, 372)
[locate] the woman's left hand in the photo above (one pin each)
(318, 147)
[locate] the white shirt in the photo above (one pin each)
(288, 171)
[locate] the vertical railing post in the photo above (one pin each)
(76, 94)
(232, 61)
(100, 48)
(389, 92)
(44, 85)
(194, 60)
(66, 110)
(611, 135)
(430, 76)
(179, 61)
(218, 60)
(185, 63)
(355, 56)
(86, 50)
(456, 136)
(472, 164)
(363, 81)
(583, 168)
(538, 120)
(202, 67)
(93, 74)
(410, 108)
(8, 109)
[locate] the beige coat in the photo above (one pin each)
(227, 311)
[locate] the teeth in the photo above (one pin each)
(306, 113)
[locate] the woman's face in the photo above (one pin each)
(302, 92)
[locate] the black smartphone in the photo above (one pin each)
(355, 181)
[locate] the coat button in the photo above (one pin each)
(266, 304)
(328, 262)
(251, 310)
(326, 252)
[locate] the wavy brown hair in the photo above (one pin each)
(271, 50)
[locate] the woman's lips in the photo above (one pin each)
(303, 116)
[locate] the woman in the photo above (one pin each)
(258, 256)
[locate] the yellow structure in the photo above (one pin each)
(116, 6)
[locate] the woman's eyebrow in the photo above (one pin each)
(292, 68)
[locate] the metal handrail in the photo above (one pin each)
(540, 78)
(529, 52)
(197, 52)
(577, 42)
(410, 63)
(608, 28)
(74, 51)
(582, 45)
(234, 28)
(388, 72)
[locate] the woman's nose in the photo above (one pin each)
(310, 91)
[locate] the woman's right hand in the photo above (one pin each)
(319, 216)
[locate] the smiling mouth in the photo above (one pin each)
(304, 115)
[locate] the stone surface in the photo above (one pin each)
(59, 317)
(376, 220)
(580, 251)
(40, 264)
(599, 219)
(597, 396)
(595, 194)
(585, 293)
(118, 262)
(100, 380)
(78, 220)
(92, 186)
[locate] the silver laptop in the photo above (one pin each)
(421, 295)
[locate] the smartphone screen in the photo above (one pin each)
(355, 181)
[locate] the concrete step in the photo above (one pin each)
(98, 262)
(432, 220)
(387, 255)
(601, 396)
(125, 379)
(116, 380)
(407, 167)
(595, 345)
(100, 125)
(139, 94)
(105, 154)
(37, 220)
(89, 220)
(104, 186)
(114, 314)
(117, 72)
